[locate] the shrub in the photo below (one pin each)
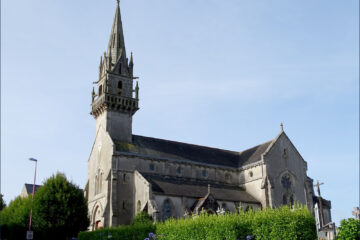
(281, 223)
(349, 229)
(132, 232)
(142, 218)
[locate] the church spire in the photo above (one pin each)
(116, 48)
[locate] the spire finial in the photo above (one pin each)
(282, 126)
(118, 2)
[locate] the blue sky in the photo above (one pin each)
(215, 73)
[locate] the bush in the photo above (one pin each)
(349, 229)
(142, 218)
(132, 232)
(282, 223)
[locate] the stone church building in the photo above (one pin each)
(128, 173)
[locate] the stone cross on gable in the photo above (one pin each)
(317, 185)
(356, 213)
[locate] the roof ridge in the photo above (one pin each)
(256, 146)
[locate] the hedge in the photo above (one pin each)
(132, 232)
(280, 223)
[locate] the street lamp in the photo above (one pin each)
(33, 191)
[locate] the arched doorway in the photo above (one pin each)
(97, 218)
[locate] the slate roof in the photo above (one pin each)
(187, 187)
(29, 188)
(153, 147)
(325, 203)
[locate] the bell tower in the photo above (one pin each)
(116, 100)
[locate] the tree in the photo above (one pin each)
(2, 202)
(15, 218)
(60, 209)
(349, 229)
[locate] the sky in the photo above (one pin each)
(217, 73)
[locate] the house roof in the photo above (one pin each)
(154, 147)
(29, 188)
(178, 186)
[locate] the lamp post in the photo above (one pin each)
(33, 191)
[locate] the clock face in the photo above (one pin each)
(286, 182)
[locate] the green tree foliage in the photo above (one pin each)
(59, 212)
(349, 229)
(15, 218)
(2, 202)
(60, 209)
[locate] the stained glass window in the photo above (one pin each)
(166, 209)
(286, 182)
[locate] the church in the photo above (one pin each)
(128, 174)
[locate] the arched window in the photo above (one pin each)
(286, 182)
(120, 85)
(152, 167)
(204, 173)
(166, 209)
(178, 170)
(98, 182)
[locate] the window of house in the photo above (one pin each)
(204, 173)
(178, 170)
(152, 167)
(251, 174)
